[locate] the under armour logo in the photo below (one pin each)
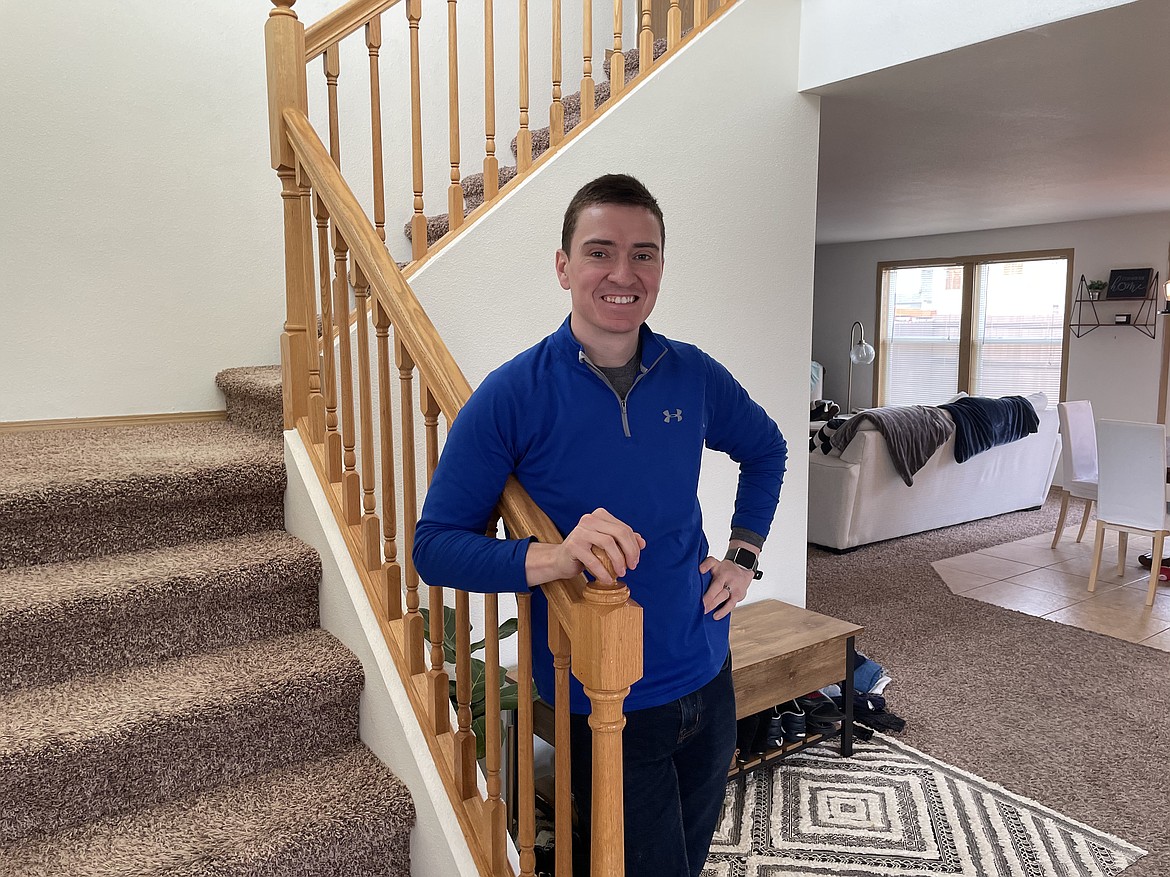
(667, 416)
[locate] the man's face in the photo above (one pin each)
(613, 270)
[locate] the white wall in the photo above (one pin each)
(844, 38)
(387, 721)
(730, 151)
(1116, 368)
(140, 239)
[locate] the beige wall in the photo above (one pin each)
(1116, 368)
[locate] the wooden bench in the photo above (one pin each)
(780, 651)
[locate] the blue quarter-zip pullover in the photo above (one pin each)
(552, 419)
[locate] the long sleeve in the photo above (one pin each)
(450, 548)
(742, 429)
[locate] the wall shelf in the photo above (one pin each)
(1085, 317)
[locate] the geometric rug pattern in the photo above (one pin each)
(892, 810)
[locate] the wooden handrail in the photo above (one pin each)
(443, 377)
(340, 23)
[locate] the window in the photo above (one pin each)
(988, 325)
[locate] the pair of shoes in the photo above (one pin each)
(1145, 561)
(821, 714)
(786, 724)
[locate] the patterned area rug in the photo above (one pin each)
(891, 810)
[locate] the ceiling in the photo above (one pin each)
(1063, 122)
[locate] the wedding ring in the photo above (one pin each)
(727, 588)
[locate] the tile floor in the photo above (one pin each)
(1031, 577)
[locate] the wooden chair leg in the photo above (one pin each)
(1155, 567)
(1085, 519)
(1064, 495)
(1098, 547)
(1122, 547)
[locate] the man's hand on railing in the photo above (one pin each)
(598, 529)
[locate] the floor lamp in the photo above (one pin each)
(860, 353)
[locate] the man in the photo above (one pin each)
(603, 423)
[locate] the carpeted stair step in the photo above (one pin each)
(439, 224)
(106, 613)
(90, 747)
(253, 395)
(343, 814)
(70, 494)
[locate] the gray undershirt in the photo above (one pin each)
(621, 378)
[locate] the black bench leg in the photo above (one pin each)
(847, 695)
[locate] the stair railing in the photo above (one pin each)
(353, 324)
(468, 198)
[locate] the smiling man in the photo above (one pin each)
(604, 424)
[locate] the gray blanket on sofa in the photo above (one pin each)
(912, 433)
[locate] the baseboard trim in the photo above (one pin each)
(114, 421)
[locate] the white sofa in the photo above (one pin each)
(858, 497)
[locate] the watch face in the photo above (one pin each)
(746, 559)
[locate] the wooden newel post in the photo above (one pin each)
(284, 46)
(608, 661)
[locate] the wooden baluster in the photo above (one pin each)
(609, 629)
(525, 761)
(700, 12)
(494, 806)
(316, 409)
(491, 165)
(331, 64)
(558, 644)
(331, 59)
(454, 191)
(556, 113)
(391, 570)
(328, 366)
(645, 40)
(524, 136)
(412, 621)
(466, 774)
(374, 46)
(588, 94)
(371, 526)
(284, 45)
(617, 60)
(350, 483)
(418, 221)
(674, 24)
(335, 448)
(437, 676)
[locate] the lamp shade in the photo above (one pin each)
(861, 353)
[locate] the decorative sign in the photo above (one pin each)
(1129, 283)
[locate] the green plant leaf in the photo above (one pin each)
(508, 628)
(479, 726)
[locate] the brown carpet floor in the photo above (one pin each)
(1070, 718)
(168, 701)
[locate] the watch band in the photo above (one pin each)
(749, 560)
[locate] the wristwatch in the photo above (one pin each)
(749, 560)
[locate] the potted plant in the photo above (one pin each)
(509, 691)
(1096, 287)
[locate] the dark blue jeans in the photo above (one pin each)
(675, 760)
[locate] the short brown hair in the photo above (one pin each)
(609, 189)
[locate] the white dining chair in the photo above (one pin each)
(1078, 461)
(1131, 493)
